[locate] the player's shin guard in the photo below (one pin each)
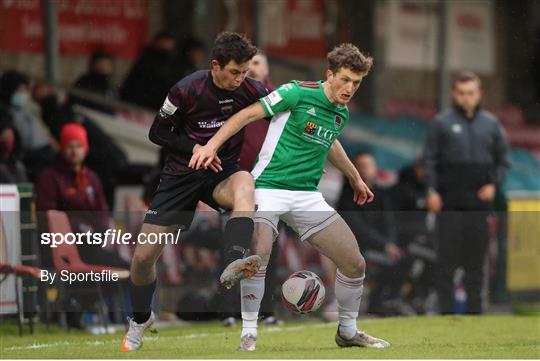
(237, 236)
(141, 301)
(348, 295)
(252, 292)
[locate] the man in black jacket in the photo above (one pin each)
(152, 73)
(97, 81)
(466, 160)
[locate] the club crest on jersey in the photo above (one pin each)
(227, 109)
(337, 122)
(310, 128)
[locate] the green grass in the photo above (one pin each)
(450, 337)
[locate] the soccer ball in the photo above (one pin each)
(303, 292)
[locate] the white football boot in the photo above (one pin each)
(361, 339)
(248, 342)
(133, 339)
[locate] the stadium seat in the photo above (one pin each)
(66, 257)
(20, 271)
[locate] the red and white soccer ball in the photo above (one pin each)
(303, 292)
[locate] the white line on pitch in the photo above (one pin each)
(154, 338)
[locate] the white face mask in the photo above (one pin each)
(20, 99)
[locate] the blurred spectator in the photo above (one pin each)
(374, 227)
(69, 185)
(256, 132)
(105, 157)
(56, 111)
(409, 204)
(35, 142)
(11, 169)
(466, 160)
(191, 55)
(372, 223)
(259, 70)
(152, 75)
(97, 80)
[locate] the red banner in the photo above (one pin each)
(117, 26)
(293, 28)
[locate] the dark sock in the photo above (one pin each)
(238, 233)
(141, 301)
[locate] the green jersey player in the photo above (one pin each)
(307, 119)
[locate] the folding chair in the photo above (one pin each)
(20, 271)
(66, 257)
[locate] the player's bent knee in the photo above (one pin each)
(243, 182)
(355, 268)
(244, 192)
(142, 262)
(244, 188)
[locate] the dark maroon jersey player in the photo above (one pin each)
(194, 110)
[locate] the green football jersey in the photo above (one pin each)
(303, 127)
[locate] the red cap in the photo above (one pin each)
(71, 132)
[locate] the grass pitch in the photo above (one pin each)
(494, 337)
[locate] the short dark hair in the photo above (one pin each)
(232, 46)
(9, 82)
(348, 56)
(363, 153)
(163, 34)
(466, 76)
(99, 55)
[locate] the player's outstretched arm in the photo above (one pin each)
(161, 134)
(338, 157)
(203, 156)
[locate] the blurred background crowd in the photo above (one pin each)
(80, 84)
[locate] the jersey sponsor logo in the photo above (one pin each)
(337, 122)
(168, 108)
(311, 111)
(273, 98)
(210, 125)
(319, 134)
(225, 101)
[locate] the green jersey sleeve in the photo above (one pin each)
(282, 99)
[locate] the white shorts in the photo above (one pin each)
(305, 212)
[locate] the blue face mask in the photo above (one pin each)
(20, 99)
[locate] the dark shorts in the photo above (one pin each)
(176, 197)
